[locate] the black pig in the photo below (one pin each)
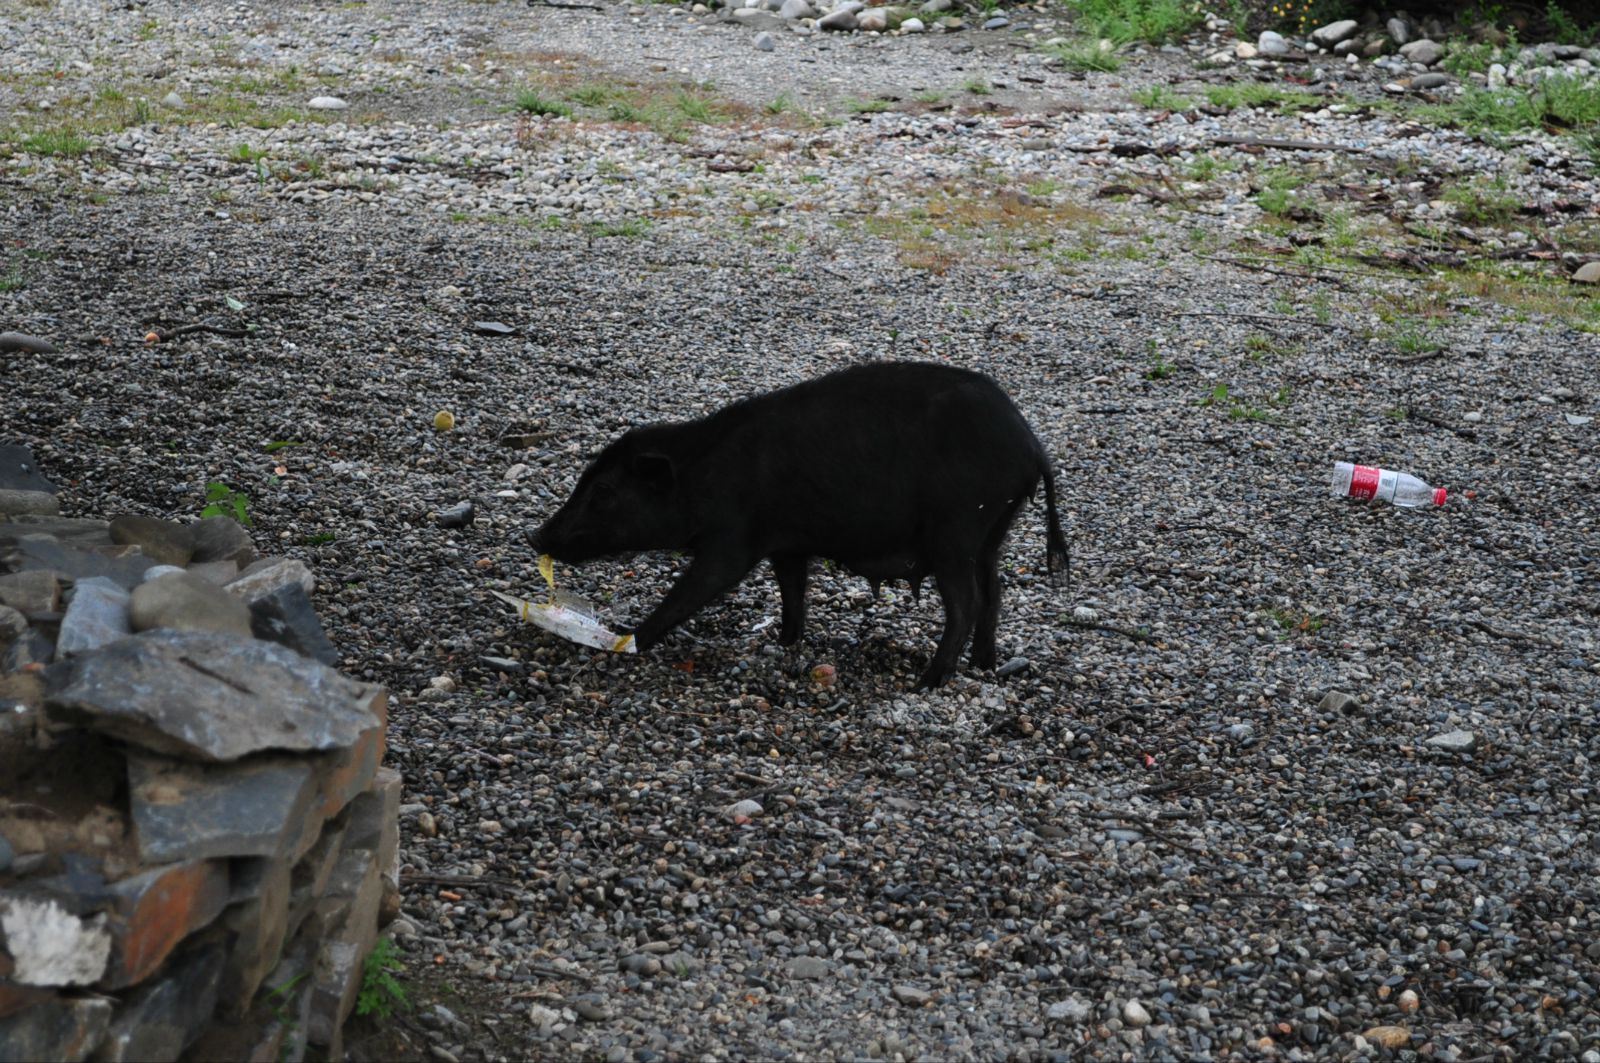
(896, 470)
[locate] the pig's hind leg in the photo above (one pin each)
(988, 620)
(958, 588)
(711, 574)
(790, 572)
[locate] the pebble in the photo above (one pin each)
(1272, 43)
(326, 103)
(457, 516)
(1454, 742)
(742, 811)
(911, 996)
(764, 42)
(1134, 1015)
(1071, 1010)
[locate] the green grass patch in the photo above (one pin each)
(1253, 94)
(65, 142)
(1557, 102)
(1126, 21)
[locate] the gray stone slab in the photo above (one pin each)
(222, 539)
(160, 1019)
(210, 697)
(31, 593)
(44, 553)
(97, 615)
(165, 542)
(77, 531)
(19, 472)
(65, 1029)
(247, 808)
(268, 574)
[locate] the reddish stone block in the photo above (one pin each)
(154, 911)
(349, 771)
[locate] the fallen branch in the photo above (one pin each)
(163, 335)
(1258, 317)
(1285, 145)
(1099, 625)
(565, 7)
(1516, 636)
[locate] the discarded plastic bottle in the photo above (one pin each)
(1369, 481)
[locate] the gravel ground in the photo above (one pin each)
(1277, 770)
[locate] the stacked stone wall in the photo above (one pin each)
(198, 840)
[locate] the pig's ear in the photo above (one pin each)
(655, 469)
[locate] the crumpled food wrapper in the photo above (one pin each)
(568, 616)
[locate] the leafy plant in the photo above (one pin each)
(224, 501)
(381, 992)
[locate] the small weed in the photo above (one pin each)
(1297, 623)
(697, 107)
(779, 104)
(1397, 413)
(863, 106)
(1161, 98)
(381, 992)
(1160, 368)
(1483, 201)
(532, 101)
(1277, 195)
(110, 94)
(281, 444)
(591, 95)
(930, 97)
(1044, 189)
(246, 154)
(1205, 167)
(1412, 337)
(1085, 56)
(12, 281)
(321, 538)
(224, 501)
(631, 228)
(977, 86)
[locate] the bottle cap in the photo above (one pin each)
(1438, 496)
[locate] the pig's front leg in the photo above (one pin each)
(711, 574)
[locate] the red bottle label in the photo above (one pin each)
(1364, 481)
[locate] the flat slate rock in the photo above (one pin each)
(165, 542)
(210, 697)
(19, 472)
(194, 810)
